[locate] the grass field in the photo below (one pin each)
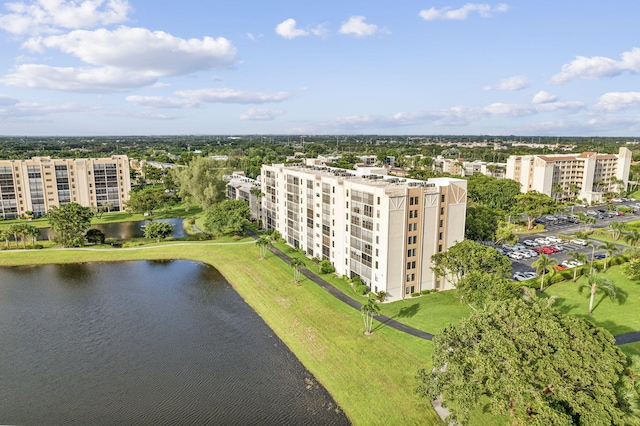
(372, 378)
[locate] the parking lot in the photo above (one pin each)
(567, 227)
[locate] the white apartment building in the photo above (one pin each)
(381, 228)
(587, 176)
(241, 187)
(38, 184)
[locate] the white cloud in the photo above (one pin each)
(260, 114)
(543, 97)
(598, 67)
(196, 98)
(32, 112)
(484, 10)
(51, 16)
(615, 101)
(138, 49)
(356, 26)
(287, 29)
(87, 80)
(517, 82)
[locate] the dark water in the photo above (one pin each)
(125, 230)
(144, 343)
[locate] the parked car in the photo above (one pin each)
(579, 242)
(600, 256)
(538, 250)
(529, 275)
(529, 243)
(560, 267)
(557, 247)
(541, 241)
(515, 255)
(581, 205)
(617, 200)
(554, 240)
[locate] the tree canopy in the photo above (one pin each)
(149, 199)
(531, 364)
(229, 217)
(533, 205)
(494, 193)
(478, 289)
(70, 222)
(200, 182)
(467, 256)
(157, 230)
(481, 223)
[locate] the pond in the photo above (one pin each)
(142, 342)
(125, 230)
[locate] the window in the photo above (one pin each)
(442, 198)
(378, 200)
(408, 277)
(440, 236)
(411, 201)
(406, 290)
(441, 223)
(408, 265)
(415, 239)
(410, 214)
(376, 264)
(441, 210)
(439, 248)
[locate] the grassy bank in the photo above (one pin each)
(370, 377)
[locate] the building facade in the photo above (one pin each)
(241, 187)
(383, 229)
(38, 184)
(587, 176)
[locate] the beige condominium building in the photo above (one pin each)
(587, 176)
(38, 184)
(383, 229)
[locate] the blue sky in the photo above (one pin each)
(141, 67)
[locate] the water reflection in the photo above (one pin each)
(144, 343)
(124, 230)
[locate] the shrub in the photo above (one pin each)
(425, 292)
(38, 247)
(415, 294)
(380, 296)
(362, 289)
(326, 267)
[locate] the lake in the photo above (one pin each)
(166, 342)
(124, 230)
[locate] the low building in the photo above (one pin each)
(587, 176)
(383, 229)
(240, 187)
(38, 184)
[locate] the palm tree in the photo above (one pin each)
(543, 265)
(32, 232)
(263, 243)
(633, 252)
(369, 310)
(616, 229)
(609, 248)
(6, 235)
(296, 263)
(595, 284)
(633, 237)
(575, 256)
(15, 230)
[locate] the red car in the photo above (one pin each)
(538, 250)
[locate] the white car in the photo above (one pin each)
(530, 243)
(554, 240)
(515, 255)
(542, 241)
(579, 242)
(529, 275)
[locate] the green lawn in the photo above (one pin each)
(631, 349)
(372, 378)
(619, 317)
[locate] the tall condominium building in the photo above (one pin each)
(586, 176)
(38, 184)
(240, 187)
(381, 228)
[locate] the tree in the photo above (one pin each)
(6, 236)
(530, 364)
(494, 193)
(543, 265)
(200, 182)
(263, 244)
(478, 289)
(467, 256)
(149, 199)
(597, 284)
(32, 232)
(229, 217)
(95, 236)
(481, 223)
(15, 230)
(609, 248)
(296, 263)
(70, 222)
(533, 205)
(617, 228)
(369, 310)
(158, 230)
(633, 237)
(575, 256)
(504, 234)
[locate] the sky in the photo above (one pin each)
(407, 67)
